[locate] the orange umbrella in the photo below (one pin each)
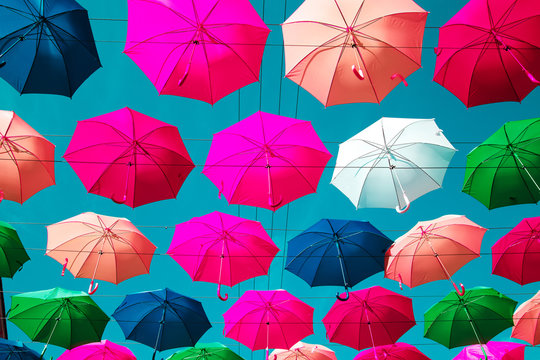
(26, 159)
(100, 247)
(527, 321)
(303, 351)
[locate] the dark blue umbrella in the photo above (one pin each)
(162, 319)
(337, 252)
(46, 46)
(16, 350)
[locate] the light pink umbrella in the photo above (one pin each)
(397, 351)
(303, 351)
(222, 249)
(266, 160)
(493, 350)
(527, 321)
(197, 49)
(104, 350)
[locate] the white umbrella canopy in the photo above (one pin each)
(392, 162)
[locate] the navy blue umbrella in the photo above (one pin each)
(46, 46)
(337, 252)
(162, 319)
(16, 350)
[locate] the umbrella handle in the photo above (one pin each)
(532, 78)
(437, 51)
(91, 288)
(398, 75)
(219, 293)
(274, 204)
(407, 205)
(121, 201)
(346, 295)
(64, 267)
(2, 64)
(1, 192)
(460, 292)
(400, 282)
(357, 73)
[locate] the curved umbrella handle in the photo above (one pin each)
(91, 288)
(2, 64)
(346, 295)
(272, 204)
(461, 291)
(357, 73)
(407, 205)
(398, 75)
(65, 266)
(1, 195)
(219, 293)
(121, 201)
(437, 51)
(532, 78)
(400, 282)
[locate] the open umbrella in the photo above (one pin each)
(26, 159)
(392, 162)
(488, 51)
(200, 50)
(353, 51)
(337, 252)
(46, 46)
(206, 351)
(527, 321)
(99, 247)
(103, 350)
(266, 160)
(16, 350)
(303, 351)
(129, 157)
(12, 253)
(494, 350)
(397, 351)
(222, 249)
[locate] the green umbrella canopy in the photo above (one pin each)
(210, 351)
(505, 169)
(12, 253)
(476, 317)
(58, 316)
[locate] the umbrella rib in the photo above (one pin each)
(284, 159)
(244, 169)
(505, 72)
(83, 43)
(19, 12)
(53, 40)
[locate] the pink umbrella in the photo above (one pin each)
(104, 350)
(303, 351)
(371, 317)
(268, 319)
(494, 350)
(197, 49)
(222, 248)
(266, 160)
(527, 321)
(129, 157)
(397, 351)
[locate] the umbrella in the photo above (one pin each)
(266, 151)
(268, 319)
(205, 351)
(337, 252)
(16, 350)
(200, 50)
(103, 350)
(527, 321)
(392, 162)
(46, 46)
(50, 316)
(494, 350)
(434, 250)
(516, 255)
(505, 168)
(129, 157)
(12, 253)
(161, 319)
(303, 351)
(26, 159)
(353, 51)
(488, 51)
(222, 248)
(397, 351)
(99, 247)
(371, 317)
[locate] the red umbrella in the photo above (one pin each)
(397, 351)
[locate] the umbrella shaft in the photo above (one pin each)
(3, 327)
(21, 38)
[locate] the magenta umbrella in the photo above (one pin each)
(202, 50)
(266, 160)
(222, 249)
(103, 350)
(397, 351)
(494, 350)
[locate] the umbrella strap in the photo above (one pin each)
(474, 330)
(516, 156)
(371, 335)
(271, 202)
(405, 197)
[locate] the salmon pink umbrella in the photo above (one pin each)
(397, 351)
(202, 50)
(527, 321)
(303, 351)
(103, 350)
(266, 160)
(494, 350)
(222, 249)
(129, 157)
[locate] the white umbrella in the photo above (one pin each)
(392, 162)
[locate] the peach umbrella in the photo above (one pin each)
(527, 321)
(303, 351)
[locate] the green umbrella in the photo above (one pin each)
(12, 253)
(57, 316)
(210, 351)
(505, 169)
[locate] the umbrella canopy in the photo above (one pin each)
(527, 321)
(129, 157)
(26, 159)
(516, 255)
(100, 247)
(488, 51)
(397, 351)
(16, 350)
(337, 252)
(161, 319)
(12, 253)
(205, 351)
(474, 318)
(353, 51)
(222, 249)
(504, 170)
(46, 46)
(371, 317)
(303, 351)
(493, 350)
(266, 160)
(104, 350)
(392, 162)
(200, 50)
(434, 250)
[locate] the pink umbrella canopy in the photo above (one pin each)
(489, 51)
(516, 256)
(527, 321)
(26, 159)
(222, 249)
(202, 50)
(103, 350)
(303, 351)
(266, 160)
(370, 317)
(494, 350)
(397, 351)
(129, 157)
(346, 51)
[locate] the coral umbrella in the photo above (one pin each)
(371, 317)
(397, 351)
(200, 50)
(222, 249)
(493, 350)
(204, 351)
(104, 350)
(16, 350)
(527, 321)
(129, 157)
(353, 51)
(434, 250)
(488, 51)
(303, 351)
(99, 247)
(266, 160)
(26, 159)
